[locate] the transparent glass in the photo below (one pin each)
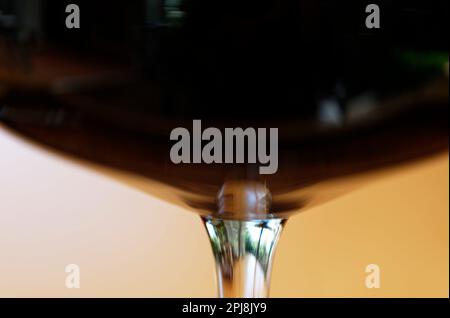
(243, 253)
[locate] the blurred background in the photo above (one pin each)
(54, 212)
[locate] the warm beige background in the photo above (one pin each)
(53, 213)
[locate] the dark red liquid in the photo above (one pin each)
(346, 100)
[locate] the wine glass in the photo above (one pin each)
(347, 101)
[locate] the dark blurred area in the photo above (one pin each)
(246, 59)
(346, 99)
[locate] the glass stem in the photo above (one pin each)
(243, 252)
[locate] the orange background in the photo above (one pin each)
(128, 244)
